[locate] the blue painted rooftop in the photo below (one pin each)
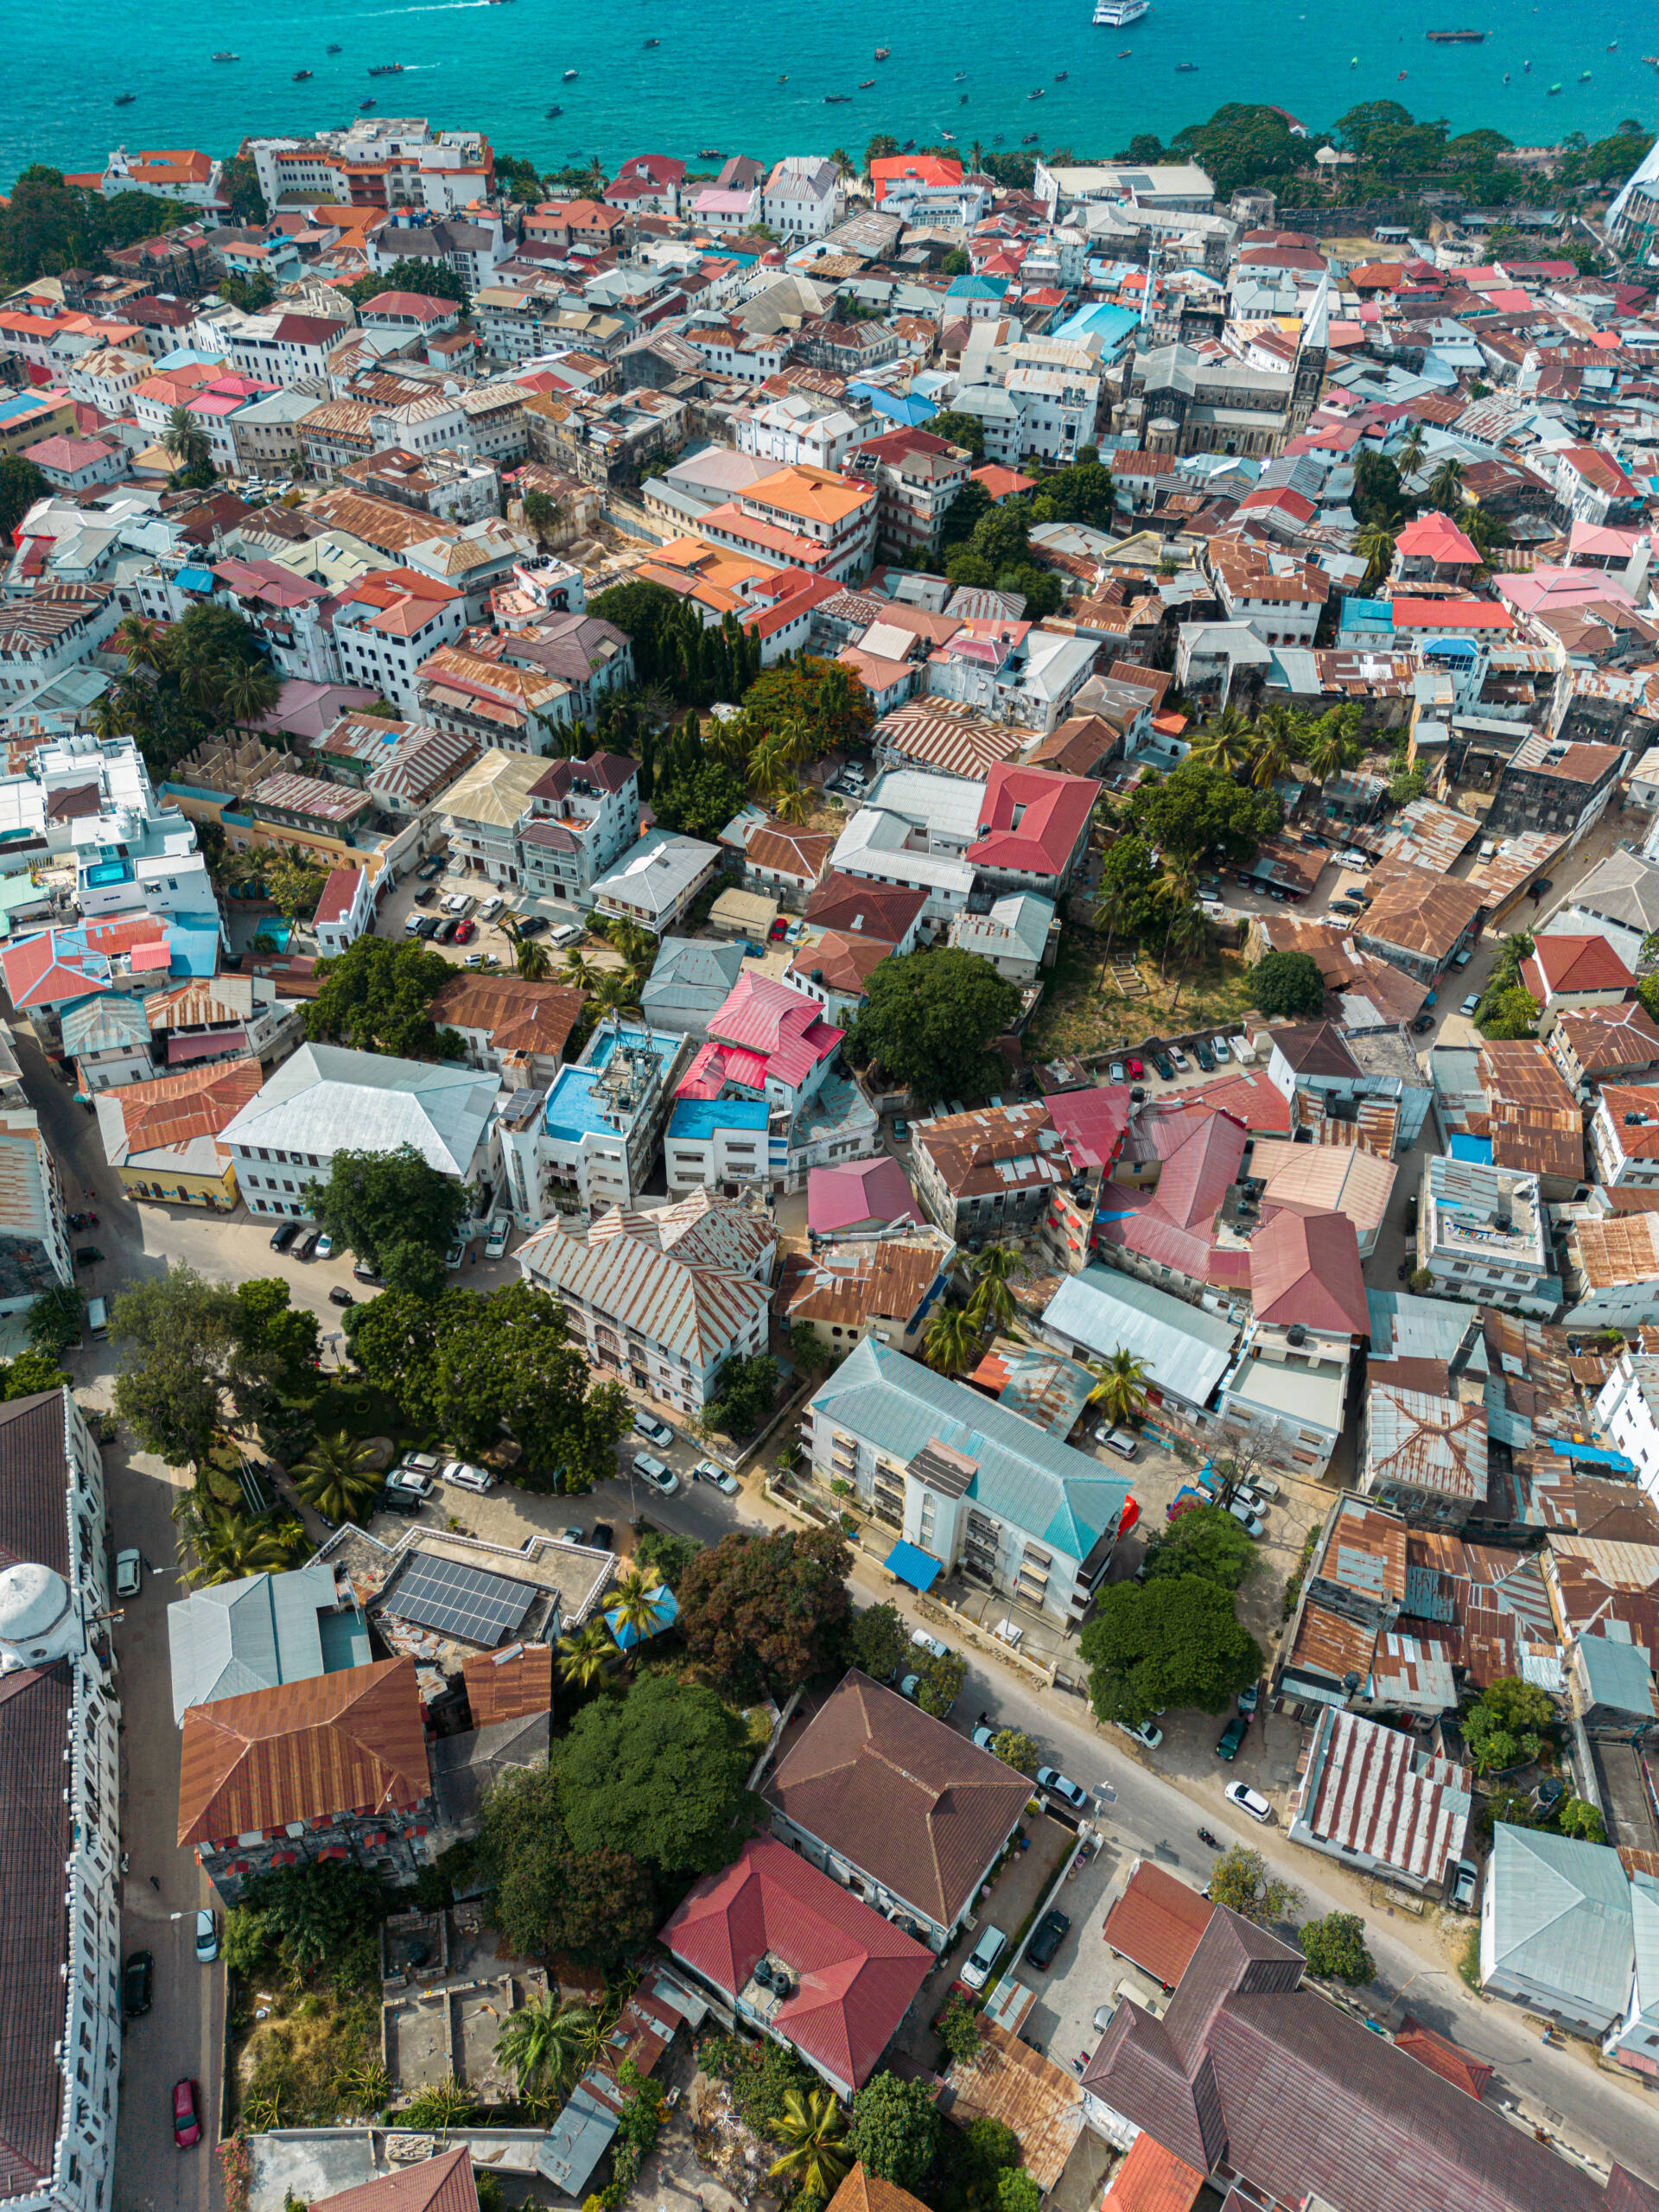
(570, 1111)
(1375, 613)
(194, 579)
(701, 1117)
(1476, 1149)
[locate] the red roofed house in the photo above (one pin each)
(1034, 827)
(444, 2184)
(1153, 2179)
(847, 1976)
(1416, 619)
(766, 1041)
(1567, 974)
(76, 464)
(345, 910)
(1432, 549)
(387, 624)
(937, 169)
(916, 477)
(1451, 2064)
(422, 314)
(1591, 487)
(1156, 1923)
(648, 185)
(1001, 484)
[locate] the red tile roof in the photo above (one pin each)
(1448, 2062)
(1451, 614)
(1030, 819)
(1151, 2179)
(855, 1976)
(441, 2184)
(1567, 964)
(338, 894)
(1436, 537)
(1157, 1922)
(1306, 1267)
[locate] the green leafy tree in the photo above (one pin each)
(30, 1373)
(959, 2032)
(1174, 1641)
(1335, 1949)
(227, 1549)
(312, 1915)
(767, 1613)
(941, 1682)
(670, 1555)
(432, 279)
(239, 183)
(1509, 1014)
(1120, 1387)
(1287, 983)
(1016, 2192)
(393, 1208)
(746, 1391)
(1240, 1880)
(661, 1775)
(505, 1361)
(1576, 1816)
(958, 429)
(1407, 784)
(177, 1337)
(1202, 813)
(955, 263)
(896, 2130)
(20, 485)
(824, 700)
(277, 1342)
(377, 997)
(929, 1018)
(1127, 898)
(1015, 1749)
(542, 1895)
(56, 1318)
(881, 1642)
(700, 803)
(971, 2165)
(1206, 1541)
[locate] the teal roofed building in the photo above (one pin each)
(995, 1499)
(260, 1631)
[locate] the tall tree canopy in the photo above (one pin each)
(543, 1894)
(823, 697)
(1174, 1640)
(930, 1017)
(1202, 813)
(394, 1210)
(377, 997)
(660, 1774)
(766, 1613)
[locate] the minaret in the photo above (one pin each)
(1312, 350)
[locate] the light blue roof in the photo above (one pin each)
(1025, 1476)
(977, 288)
(253, 1634)
(1618, 1675)
(692, 975)
(1479, 1150)
(194, 579)
(665, 1611)
(570, 1112)
(701, 1117)
(1182, 1347)
(1110, 325)
(1369, 613)
(1560, 1916)
(191, 951)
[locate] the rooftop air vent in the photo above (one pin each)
(762, 1975)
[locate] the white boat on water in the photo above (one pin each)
(1116, 14)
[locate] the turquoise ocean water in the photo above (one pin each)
(713, 82)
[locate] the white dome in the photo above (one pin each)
(33, 1599)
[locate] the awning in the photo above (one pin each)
(911, 1565)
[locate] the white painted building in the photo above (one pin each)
(803, 197)
(591, 1140)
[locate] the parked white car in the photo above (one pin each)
(920, 1638)
(500, 1229)
(465, 1476)
(1241, 1795)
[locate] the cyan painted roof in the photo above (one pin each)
(701, 1117)
(1182, 1348)
(1062, 1497)
(249, 1634)
(1562, 1915)
(1616, 1673)
(692, 975)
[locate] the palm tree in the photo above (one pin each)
(1276, 731)
(1445, 485)
(1516, 948)
(950, 1341)
(1224, 743)
(792, 803)
(1119, 1387)
(1375, 546)
(229, 1549)
(531, 959)
(1113, 908)
(142, 640)
(250, 690)
(1177, 888)
(1330, 747)
(580, 970)
(335, 1477)
(542, 2040)
(617, 991)
(1483, 531)
(583, 1657)
(770, 765)
(184, 438)
(1409, 455)
(814, 2128)
(634, 1608)
(993, 1300)
(1189, 934)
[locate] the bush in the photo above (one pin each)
(760, 2076)
(959, 2032)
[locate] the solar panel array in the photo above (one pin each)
(458, 1600)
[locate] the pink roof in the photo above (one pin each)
(1597, 537)
(338, 894)
(855, 1976)
(1091, 1123)
(1280, 498)
(783, 1029)
(1451, 614)
(36, 975)
(67, 453)
(1306, 1267)
(1031, 818)
(1435, 536)
(1540, 590)
(863, 1191)
(145, 959)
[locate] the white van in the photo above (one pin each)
(976, 1967)
(1120, 1440)
(98, 1319)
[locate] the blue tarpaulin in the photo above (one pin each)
(1475, 1149)
(666, 1611)
(912, 1565)
(1595, 1454)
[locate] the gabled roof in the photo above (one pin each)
(1561, 1914)
(172, 1111)
(901, 1796)
(351, 1741)
(626, 1267)
(1317, 1048)
(441, 2184)
(1444, 2057)
(516, 1014)
(1567, 964)
(1306, 1267)
(872, 909)
(1435, 536)
(853, 1975)
(863, 1191)
(1157, 1922)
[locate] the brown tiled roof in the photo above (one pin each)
(846, 902)
(841, 961)
(862, 2192)
(998, 1148)
(901, 1796)
(503, 1687)
(519, 1016)
(1077, 747)
(173, 1109)
(345, 1742)
(1420, 912)
(33, 1472)
(1451, 2064)
(1157, 1922)
(441, 2184)
(805, 853)
(1606, 1038)
(36, 1842)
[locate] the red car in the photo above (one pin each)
(780, 929)
(1135, 1070)
(465, 932)
(186, 2127)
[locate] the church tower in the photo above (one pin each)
(1312, 350)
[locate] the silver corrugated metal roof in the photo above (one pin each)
(249, 1634)
(1560, 1916)
(327, 1099)
(1182, 1347)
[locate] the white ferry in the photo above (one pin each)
(1117, 14)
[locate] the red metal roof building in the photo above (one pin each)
(766, 1038)
(851, 1976)
(1032, 825)
(1157, 1922)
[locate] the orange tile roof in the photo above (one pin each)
(815, 495)
(1153, 2179)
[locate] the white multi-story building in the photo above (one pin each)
(1482, 1237)
(591, 1139)
(988, 1494)
(801, 430)
(1626, 1408)
(662, 1299)
(386, 625)
(803, 197)
(60, 1808)
(34, 1220)
(283, 348)
(1624, 1135)
(131, 855)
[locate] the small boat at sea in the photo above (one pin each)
(300, 76)
(837, 99)
(1584, 76)
(1651, 60)
(387, 69)
(1612, 46)
(125, 99)
(570, 76)
(1552, 90)
(961, 73)
(653, 42)
(997, 139)
(962, 99)
(909, 146)
(1040, 93)
(363, 105)
(868, 84)
(1185, 68)
(1030, 139)
(950, 135)
(551, 112)
(1506, 76)
(1127, 53)
(882, 52)
(1060, 76)
(1455, 38)
(1525, 68)
(1401, 78)
(1353, 64)
(227, 57)
(333, 49)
